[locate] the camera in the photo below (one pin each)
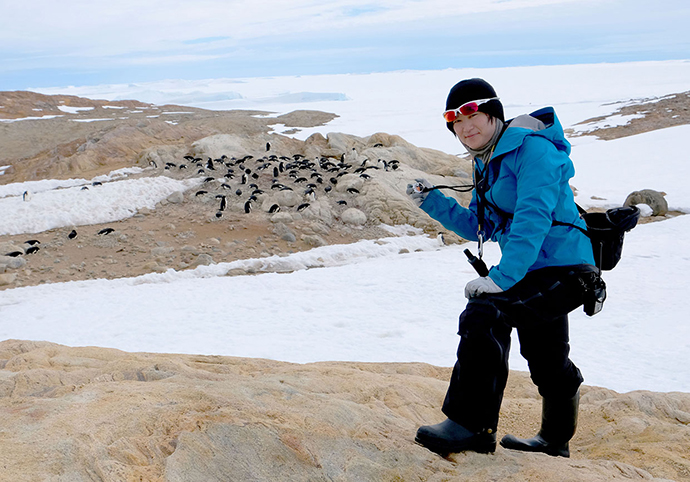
(595, 297)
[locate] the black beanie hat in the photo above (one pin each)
(474, 89)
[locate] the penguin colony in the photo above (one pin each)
(242, 181)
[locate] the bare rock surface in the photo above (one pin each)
(83, 414)
(644, 115)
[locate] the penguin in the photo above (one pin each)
(209, 179)
(153, 164)
(257, 191)
(85, 188)
(14, 254)
(219, 214)
(328, 188)
(200, 193)
(238, 192)
(352, 190)
(268, 146)
(365, 176)
(226, 186)
(247, 206)
(302, 207)
(274, 209)
(333, 180)
(72, 234)
(32, 250)
(96, 183)
(32, 242)
(106, 231)
(342, 203)
(244, 179)
(222, 202)
(183, 166)
(276, 173)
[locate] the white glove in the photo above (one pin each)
(481, 285)
(419, 190)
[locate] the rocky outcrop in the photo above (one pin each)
(654, 199)
(78, 414)
(62, 136)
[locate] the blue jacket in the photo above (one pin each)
(528, 178)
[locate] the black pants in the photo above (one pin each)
(538, 308)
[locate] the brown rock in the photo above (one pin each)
(90, 413)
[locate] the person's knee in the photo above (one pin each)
(479, 316)
(562, 383)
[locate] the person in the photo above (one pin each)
(522, 200)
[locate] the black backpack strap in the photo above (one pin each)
(583, 230)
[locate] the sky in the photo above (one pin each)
(44, 43)
(406, 306)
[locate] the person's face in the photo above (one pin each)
(474, 130)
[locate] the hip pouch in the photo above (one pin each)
(547, 293)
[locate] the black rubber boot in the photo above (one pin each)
(558, 424)
(450, 437)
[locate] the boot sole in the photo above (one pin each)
(521, 446)
(443, 449)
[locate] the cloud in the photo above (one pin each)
(274, 37)
(204, 40)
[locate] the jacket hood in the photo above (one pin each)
(543, 123)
